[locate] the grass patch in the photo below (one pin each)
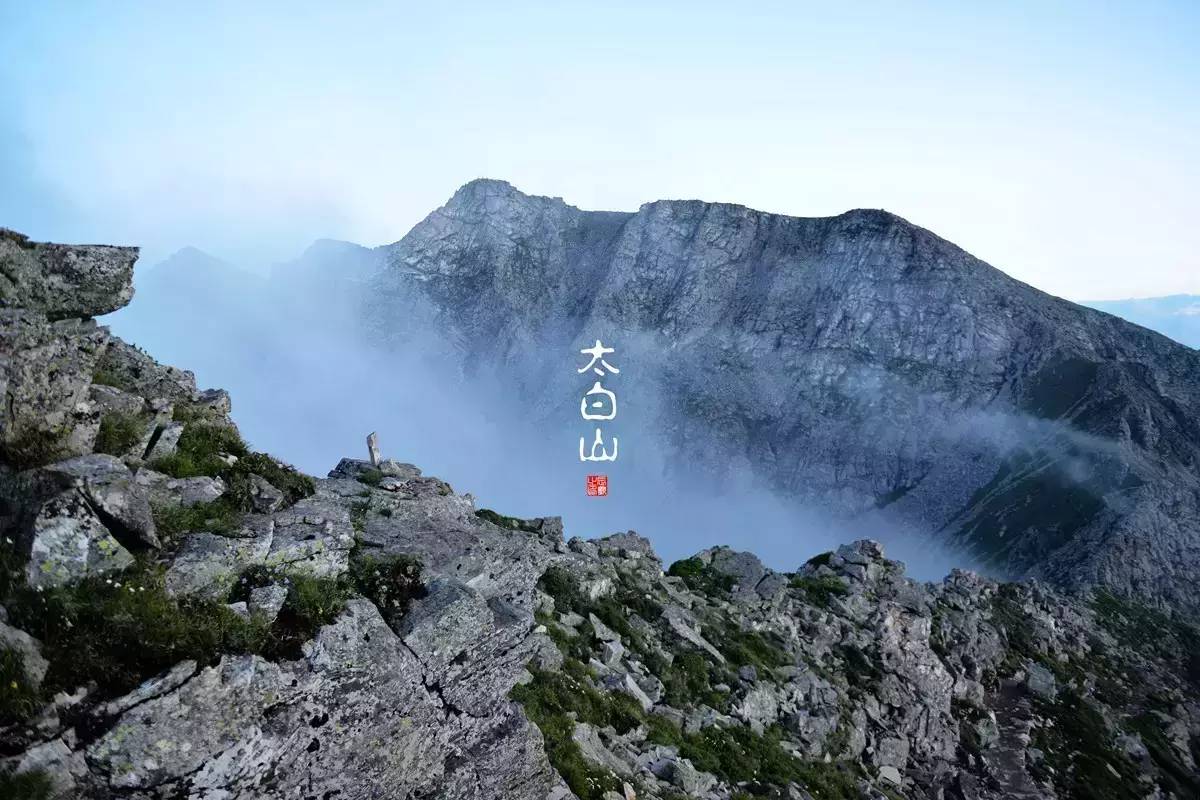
(172, 521)
(1150, 632)
(511, 523)
(1174, 776)
(371, 477)
(35, 447)
(688, 682)
(390, 582)
(549, 701)
(125, 629)
(106, 376)
(738, 755)
(33, 785)
(819, 590)
(1080, 753)
(18, 698)
(700, 577)
(120, 432)
(750, 648)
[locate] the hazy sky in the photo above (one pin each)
(1058, 144)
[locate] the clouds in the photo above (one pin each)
(1052, 143)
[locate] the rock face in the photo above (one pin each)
(857, 362)
(64, 281)
(212, 624)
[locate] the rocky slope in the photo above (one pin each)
(856, 363)
(185, 618)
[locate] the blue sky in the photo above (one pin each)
(1057, 141)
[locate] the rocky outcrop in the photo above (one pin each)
(64, 281)
(857, 363)
(204, 622)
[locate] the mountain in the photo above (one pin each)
(857, 362)
(184, 617)
(1176, 316)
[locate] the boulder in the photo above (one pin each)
(109, 487)
(69, 542)
(64, 281)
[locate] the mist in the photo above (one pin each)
(308, 385)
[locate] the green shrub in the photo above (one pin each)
(1080, 753)
(33, 785)
(106, 376)
(294, 484)
(699, 577)
(512, 523)
(34, 448)
(738, 755)
(200, 450)
(687, 683)
(820, 559)
(220, 516)
(371, 477)
(18, 698)
(122, 630)
(750, 648)
(548, 701)
(120, 432)
(390, 582)
(820, 591)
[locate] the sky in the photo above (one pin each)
(1055, 141)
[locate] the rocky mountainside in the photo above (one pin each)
(857, 363)
(182, 617)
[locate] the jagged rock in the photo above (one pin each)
(138, 373)
(45, 373)
(157, 686)
(1040, 681)
(266, 601)
(165, 442)
(28, 649)
(165, 490)
(691, 781)
(264, 497)
(109, 487)
(64, 281)
(208, 564)
(69, 542)
(594, 750)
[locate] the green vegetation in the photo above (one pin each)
(1150, 632)
(1079, 751)
(688, 682)
(119, 631)
(1174, 776)
(34, 785)
(739, 755)
(204, 448)
(219, 516)
(390, 582)
(201, 450)
(549, 701)
(120, 432)
(749, 648)
(371, 477)
(700, 577)
(820, 559)
(820, 591)
(34, 447)
(106, 376)
(18, 698)
(512, 523)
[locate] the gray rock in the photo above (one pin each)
(1040, 681)
(165, 490)
(109, 487)
(264, 497)
(45, 372)
(69, 542)
(28, 649)
(166, 441)
(266, 601)
(64, 281)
